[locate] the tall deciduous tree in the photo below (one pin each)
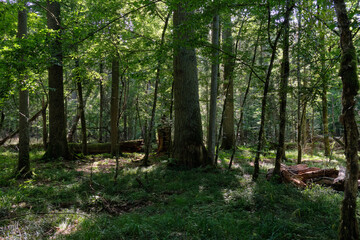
(57, 146)
(349, 228)
(23, 169)
(189, 150)
(213, 88)
(285, 71)
(228, 128)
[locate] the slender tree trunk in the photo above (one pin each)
(299, 107)
(349, 228)
(324, 83)
(189, 150)
(44, 124)
(228, 127)
(101, 104)
(239, 123)
(157, 80)
(23, 169)
(285, 71)
(81, 109)
(213, 89)
(57, 146)
(114, 105)
(2, 118)
(264, 100)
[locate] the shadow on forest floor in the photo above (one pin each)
(80, 200)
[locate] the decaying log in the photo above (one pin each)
(99, 148)
(333, 173)
(301, 176)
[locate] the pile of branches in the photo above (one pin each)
(302, 176)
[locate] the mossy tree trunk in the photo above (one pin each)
(349, 228)
(189, 150)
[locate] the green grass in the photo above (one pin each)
(159, 202)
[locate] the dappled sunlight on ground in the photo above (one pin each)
(108, 165)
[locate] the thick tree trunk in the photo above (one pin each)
(57, 146)
(349, 228)
(114, 105)
(213, 89)
(189, 150)
(285, 71)
(23, 169)
(228, 127)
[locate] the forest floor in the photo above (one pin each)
(81, 200)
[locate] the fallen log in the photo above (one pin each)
(311, 174)
(301, 176)
(13, 134)
(99, 148)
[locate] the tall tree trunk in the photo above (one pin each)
(114, 105)
(324, 82)
(44, 124)
(23, 169)
(300, 110)
(157, 80)
(264, 99)
(81, 109)
(239, 123)
(101, 103)
(285, 70)
(57, 146)
(189, 150)
(349, 228)
(213, 89)
(228, 127)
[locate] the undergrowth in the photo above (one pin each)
(80, 200)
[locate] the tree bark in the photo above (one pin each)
(213, 89)
(101, 111)
(57, 147)
(189, 150)
(23, 168)
(44, 124)
(114, 105)
(157, 80)
(81, 109)
(348, 226)
(264, 100)
(300, 110)
(285, 71)
(229, 64)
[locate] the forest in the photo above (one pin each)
(168, 119)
